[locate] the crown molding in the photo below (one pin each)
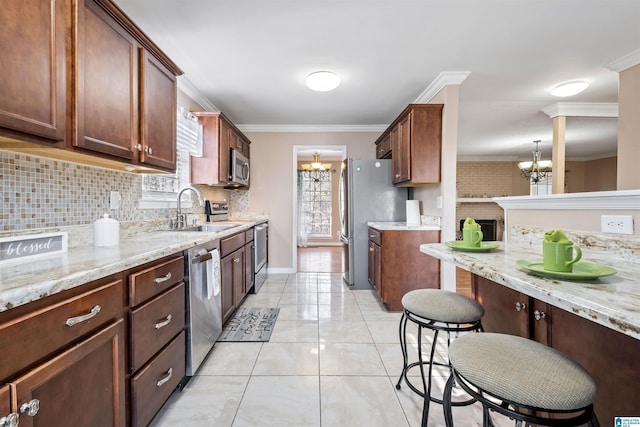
(312, 128)
(624, 62)
(445, 78)
(609, 200)
(185, 85)
(582, 109)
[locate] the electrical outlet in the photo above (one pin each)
(114, 200)
(619, 224)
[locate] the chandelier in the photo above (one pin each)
(315, 165)
(536, 170)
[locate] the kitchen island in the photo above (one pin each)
(596, 322)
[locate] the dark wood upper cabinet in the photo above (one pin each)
(106, 101)
(32, 94)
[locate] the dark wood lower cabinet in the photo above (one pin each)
(65, 386)
(609, 356)
(6, 414)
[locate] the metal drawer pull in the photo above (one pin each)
(520, 306)
(164, 322)
(79, 319)
(236, 260)
(30, 408)
(538, 315)
(161, 382)
(10, 420)
(163, 279)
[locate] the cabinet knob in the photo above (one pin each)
(520, 306)
(370, 249)
(139, 147)
(397, 175)
(30, 408)
(539, 315)
(236, 260)
(10, 420)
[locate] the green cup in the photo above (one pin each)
(471, 237)
(560, 256)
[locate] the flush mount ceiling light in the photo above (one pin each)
(323, 81)
(569, 88)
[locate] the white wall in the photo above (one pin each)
(273, 180)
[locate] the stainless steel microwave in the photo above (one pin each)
(239, 174)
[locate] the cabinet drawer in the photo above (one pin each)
(152, 281)
(153, 385)
(374, 236)
(154, 324)
(36, 335)
(248, 235)
(231, 244)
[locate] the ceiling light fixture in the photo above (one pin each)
(315, 164)
(569, 88)
(535, 170)
(323, 81)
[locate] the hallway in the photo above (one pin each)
(320, 259)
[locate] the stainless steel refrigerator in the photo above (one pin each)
(365, 194)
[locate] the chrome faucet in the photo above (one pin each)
(180, 218)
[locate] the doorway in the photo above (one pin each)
(316, 224)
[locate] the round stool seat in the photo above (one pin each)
(522, 371)
(442, 306)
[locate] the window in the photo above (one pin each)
(542, 187)
(315, 203)
(165, 187)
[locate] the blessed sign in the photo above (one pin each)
(21, 247)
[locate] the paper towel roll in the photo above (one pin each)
(413, 212)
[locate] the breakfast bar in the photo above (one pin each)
(595, 322)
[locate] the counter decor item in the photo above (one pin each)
(558, 252)
(106, 231)
(581, 270)
(34, 245)
(471, 233)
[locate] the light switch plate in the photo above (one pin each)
(619, 224)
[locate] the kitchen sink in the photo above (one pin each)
(208, 228)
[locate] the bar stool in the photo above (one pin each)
(436, 310)
(520, 378)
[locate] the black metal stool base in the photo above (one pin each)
(437, 327)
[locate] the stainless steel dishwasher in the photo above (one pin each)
(204, 303)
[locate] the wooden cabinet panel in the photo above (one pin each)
(153, 385)
(32, 94)
(224, 152)
(158, 98)
(249, 270)
(231, 244)
(83, 386)
(154, 280)
(402, 151)
(107, 84)
(239, 286)
(383, 148)
(154, 324)
(501, 313)
(7, 416)
(226, 291)
(233, 271)
(399, 266)
(38, 334)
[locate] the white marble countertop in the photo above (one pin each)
(30, 280)
(612, 301)
(400, 226)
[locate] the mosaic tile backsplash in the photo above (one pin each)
(42, 193)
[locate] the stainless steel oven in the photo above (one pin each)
(260, 242)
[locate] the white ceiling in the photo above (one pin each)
(249, 58)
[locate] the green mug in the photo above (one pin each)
(471, 237)
(560, 256)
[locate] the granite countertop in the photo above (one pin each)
(401, 226)
(612, 301)
(30, 280)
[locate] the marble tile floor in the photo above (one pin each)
(333, 360)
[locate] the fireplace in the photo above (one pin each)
(489, 228)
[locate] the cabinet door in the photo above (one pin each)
(403, 173)
(6, 415)
(83, 386)
(383, 148)
(157, 113)
(224, 156)
(505, 310)
(32, 42)
(374, 268)
(239, 288)
(609, 356)
(107, 84)
(226, 291)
